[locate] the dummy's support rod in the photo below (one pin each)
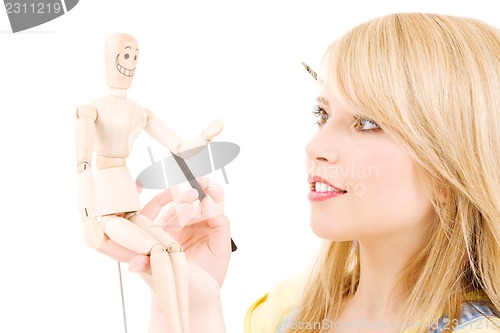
(151, 155)
(123, 297)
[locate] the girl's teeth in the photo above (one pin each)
(321, 187)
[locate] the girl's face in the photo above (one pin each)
(364, 185)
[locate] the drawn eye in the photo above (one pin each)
(320, 113)
(126, 56)
(135, 57)
(365, 124)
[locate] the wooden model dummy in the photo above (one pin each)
(108, 198)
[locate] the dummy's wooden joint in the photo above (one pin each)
(82, 167)
(86, 111)
(175, 248)
(87, 213)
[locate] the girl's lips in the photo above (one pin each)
(322, 196)
(322, 190)
(313, 180)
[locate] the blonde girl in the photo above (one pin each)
(415, 244)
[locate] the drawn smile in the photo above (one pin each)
(123, 70)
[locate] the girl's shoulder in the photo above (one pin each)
(268, 312)
(274, 312)
(476, 317)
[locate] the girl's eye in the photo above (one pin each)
(320, 113)
(365, 125)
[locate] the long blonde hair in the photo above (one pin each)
(432, 82)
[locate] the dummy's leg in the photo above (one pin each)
(178, 260)
(134, 238)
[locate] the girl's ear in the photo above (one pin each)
(442, 193)
(437, 189)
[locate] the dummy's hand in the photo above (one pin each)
(213, 129)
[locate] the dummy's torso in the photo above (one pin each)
(119, 121)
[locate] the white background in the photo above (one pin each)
(199, 60)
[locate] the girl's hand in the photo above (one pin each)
(202, 229)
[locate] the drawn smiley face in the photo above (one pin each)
(126, 60)
(120, 56)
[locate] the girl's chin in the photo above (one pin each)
(326, 232)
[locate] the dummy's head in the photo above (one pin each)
(121, 53)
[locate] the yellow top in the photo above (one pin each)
(268, 312)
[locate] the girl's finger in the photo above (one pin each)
(179, 214)
(217, 193)
(154, 206)
(139, 264)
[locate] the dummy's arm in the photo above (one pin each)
(159, 131)
(85, 133)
